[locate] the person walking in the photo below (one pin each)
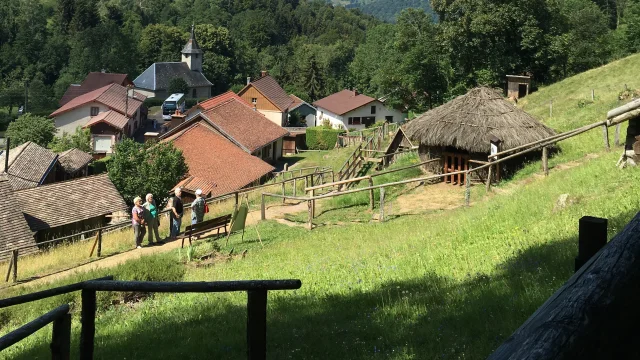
(152, 219)
(197, 208)
(137, 219)
(176, 209)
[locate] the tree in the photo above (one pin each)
(160, 43)
(37, 129)
(80, 140)
(178, 86)
(138, 169)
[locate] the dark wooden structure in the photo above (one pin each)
(455, 162)
(518, 86)
(595, 314)
(257, 291)
(297, 139)
(205, 227)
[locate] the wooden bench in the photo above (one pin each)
(202, 228)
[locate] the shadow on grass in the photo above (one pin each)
(430, 316)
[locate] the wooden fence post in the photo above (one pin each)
(310, 222)
(15, 265)
(88, 321)
(371, 195)
(257, 324)
(295, 187)
(61, 338)
(283, 193)
(592, 236)
(236, 196)
(467, 191)
(489, 178)
(616, 140)
(99, 242)
(263, 214)
(605, 135)
(9, 269)
(313, 204)
(382, 204)
(545, 161)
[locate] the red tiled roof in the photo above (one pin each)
(344, 101)
(269, 87)
(93, 81)
(217, 100)
(110, 117)
(112, 96)
(245, 125)
(215, 164)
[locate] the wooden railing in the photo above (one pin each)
(257, 291)
(594, 314)
(97, 234)
(356, 159)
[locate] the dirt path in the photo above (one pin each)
(273, 212)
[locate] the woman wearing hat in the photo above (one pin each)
(137, 219)
(197, 208)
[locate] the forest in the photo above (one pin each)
(311, 47)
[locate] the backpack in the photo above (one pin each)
(206, 207)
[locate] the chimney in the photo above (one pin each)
(355, 92)
(248, 80)
(177, 118)
(264, 73)
(6, 158)
(151, 137)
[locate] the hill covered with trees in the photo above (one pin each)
(386, 10)
(312, 47)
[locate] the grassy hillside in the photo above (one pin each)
(449, 284)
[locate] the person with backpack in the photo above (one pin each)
(198, 208)
(176, 209)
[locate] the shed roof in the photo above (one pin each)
(228, 170)
(469, 121)
(158, 75)
(269, 87)
(69, 202)
(14, 230)
(29, 164)
(73, 160)
(343, 101)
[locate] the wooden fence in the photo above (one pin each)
(594, 314)
(318, 176)
(355, 161)
(257, 291)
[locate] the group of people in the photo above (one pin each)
(145, 216)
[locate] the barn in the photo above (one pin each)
(462, 131)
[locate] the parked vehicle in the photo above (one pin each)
(173, 102)
(20, 110)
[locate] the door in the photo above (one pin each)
(455, 163)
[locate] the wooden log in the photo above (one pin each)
(257, 325)
(623, 109)
(263, 210)
(295, 187)
(95, 243)
(605, 135)
(489, 178)
(310, 222)
(593, 315)
(88, 321)
(31, 327)
(616, 140)
(313, 204)
(99, 253)
(467, 191)
(592, 236)
(381, 204)
(371, 195)
(237, 203)
(283, 193)
(545, 161)
(61, 338)
(15, 266)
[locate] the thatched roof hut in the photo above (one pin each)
(462, 129)
(469, 121)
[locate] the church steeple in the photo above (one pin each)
(191, 53)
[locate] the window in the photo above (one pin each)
(95, 110)
(254, 101)
(389, 119)
(373, 110)
(353, 121)
(266, 152)
(194, 93)
(102, 143)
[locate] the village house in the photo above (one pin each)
(69, 207)
(348, 109)
(268, 97)
(110, 112)
(31, 165)
(93, 81)
(211, 103)
(305, 111)
(14, 230)
(154, 81)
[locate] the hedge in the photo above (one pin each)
(321, 138)
(99, 166)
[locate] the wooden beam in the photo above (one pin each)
(545, 161)
(605, 135)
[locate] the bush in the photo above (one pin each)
(189, 103)
(99, 166)
(153, 101)
(5, 120)
(321, 138)
(150, 268)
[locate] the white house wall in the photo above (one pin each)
(70, 120)
(338, 121)
(274, 116)
(322, 114)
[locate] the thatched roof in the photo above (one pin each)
(469, 121)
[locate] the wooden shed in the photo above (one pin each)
(518, 86)
(462, 131)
